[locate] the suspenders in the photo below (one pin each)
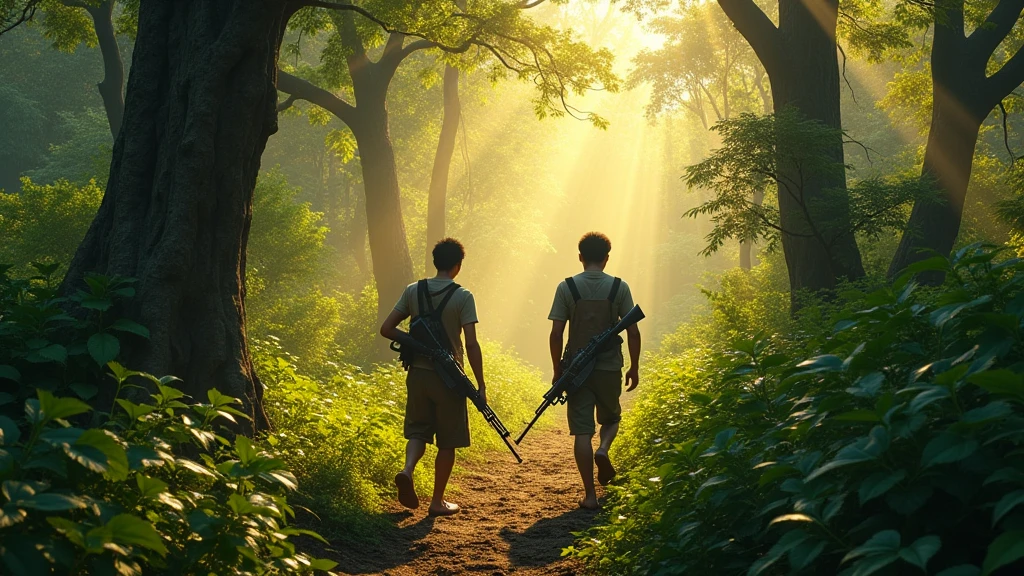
(576, 292)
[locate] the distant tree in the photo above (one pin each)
(557, 65)
(21, 118)
(706, 68)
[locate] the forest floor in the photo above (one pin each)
(515, 519)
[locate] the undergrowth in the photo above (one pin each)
(879, 435)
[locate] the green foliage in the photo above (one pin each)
(882, 436)
(778, 153)
(21, 119)
(83, 155)
(45, 223)
(44, 346)
(155, 488)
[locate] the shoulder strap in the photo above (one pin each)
(573, 289)
(450, 289)
(423, 298)
(615, 289)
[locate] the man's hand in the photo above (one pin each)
(632, 378)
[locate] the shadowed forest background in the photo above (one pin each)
(818, 204)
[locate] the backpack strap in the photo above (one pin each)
(615, 289)
(450, 289)
(426, 306)
(573, 289)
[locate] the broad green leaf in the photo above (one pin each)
(791, 518)
(50, 502)
(871, 564)
(1005, 504)
(824, 363)
(1007, 548)
(150, 487)
(53, 408)
(84, 391)
(867, 386)
(776, 472)
(878, 484)
(711, 482)
(882, 542)
(10, 373)
(128, 529)
(921, 551)
(322, 564)
(103, 347)
(947, 448)
(987, 413)
(999, 382)
(55, 353)
(930, 395)
(863, 450)
(125, 325)
(99, 451)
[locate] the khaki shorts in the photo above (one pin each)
(431, 408)
(601, 390)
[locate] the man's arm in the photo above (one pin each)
(387, 329)
(633, 374)
(475, 357)
(555, 343)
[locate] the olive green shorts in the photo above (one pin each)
(431, 408)
(601, 390)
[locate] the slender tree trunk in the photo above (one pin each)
(437, 196)
(112, 87)
(201, 103)
(959, 107)
(389, 250)
(747, 246)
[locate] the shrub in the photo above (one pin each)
(154, 487)
(887, 444)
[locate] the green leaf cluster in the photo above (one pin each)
(879, 435)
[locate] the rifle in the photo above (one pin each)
(577, 367)
(455, 378)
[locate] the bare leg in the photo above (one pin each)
(414, 450)
(442, 472)
(403, 480)
(584, 452)
(608, 433)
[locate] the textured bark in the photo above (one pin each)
(438, 192)
(200, 106)
(800, 57)
(962, 97)
(112, 87)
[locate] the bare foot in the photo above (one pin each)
(605, 470)
(590, 503)
(406, 491)
(447, 509)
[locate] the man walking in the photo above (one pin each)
(591, 302)
(431, 407)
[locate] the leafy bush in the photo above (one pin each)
(887, 444)
(152, 487)
(45, 223)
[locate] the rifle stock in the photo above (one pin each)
(575, 369)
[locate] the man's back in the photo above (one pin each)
(460, 310)
(593, 285)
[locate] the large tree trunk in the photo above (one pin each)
(437, 195)
(808, 80)
(112, 87)
(389, 250)
(200, 106)
(801, 59)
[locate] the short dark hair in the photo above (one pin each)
(448, 253)
(594, 247)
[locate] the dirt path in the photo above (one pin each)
(515, 519)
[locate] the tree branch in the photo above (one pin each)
(987, 37)
(759, 31)
(299, 89)
(1005, 80)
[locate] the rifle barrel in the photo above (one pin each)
(540, 412)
